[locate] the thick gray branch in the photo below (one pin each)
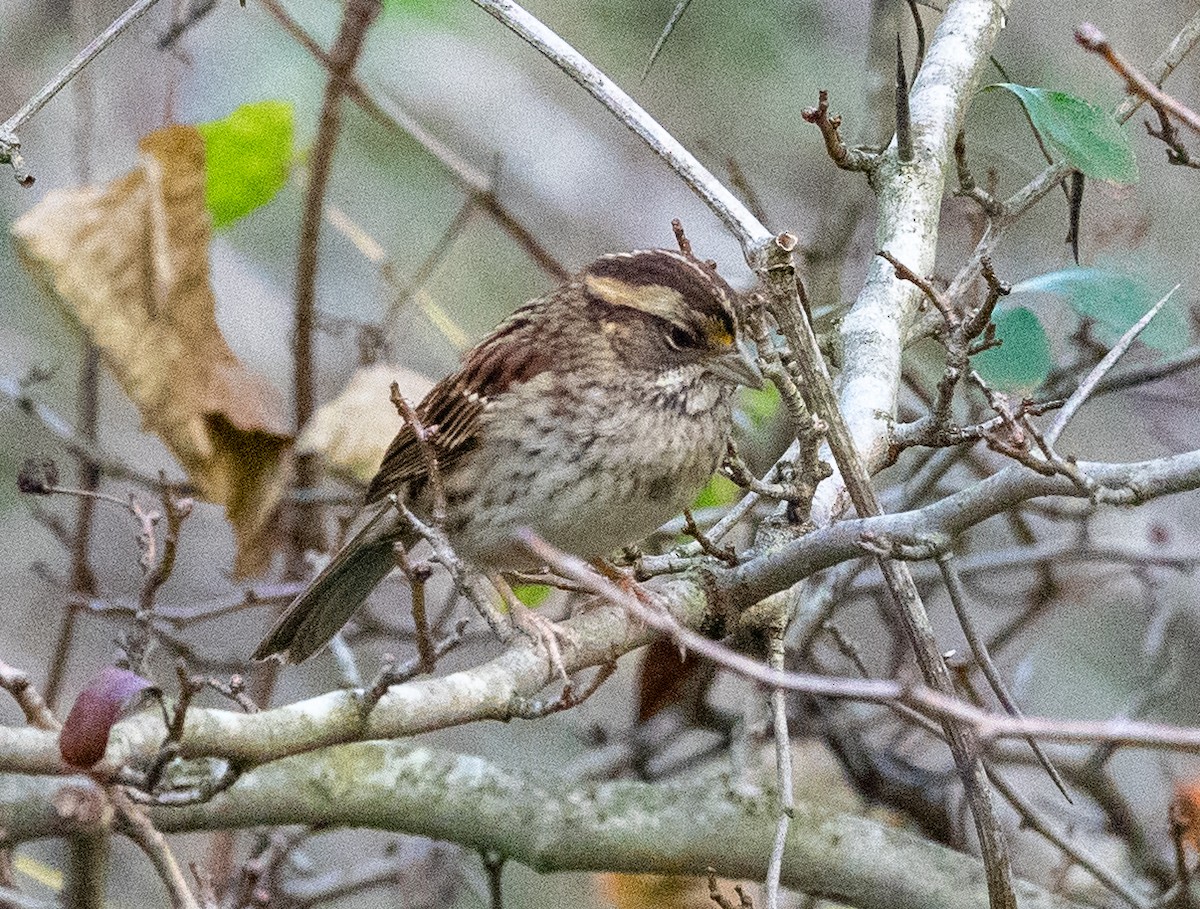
(622, 826)
(910, 199)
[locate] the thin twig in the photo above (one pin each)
(672, 21)
(75, 441)
(1027, 196)
(417, 576)
(465, 579)
(937, 297)
(958, 599)
(783, 750)
(391, 672)
(1060, 838)
(138, 827)
(37, 712)
(967, 186)
(1100, 369)
(9, 143)
(919, 26)
(733, 213)
(780, 279)
(428, 451)
(1091, 38)
(306, 533)
(725, 554)
(843, 157)
(536, 710)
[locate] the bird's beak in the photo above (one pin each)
(738, 366)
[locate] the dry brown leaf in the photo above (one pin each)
(352, 432)
(129, 260)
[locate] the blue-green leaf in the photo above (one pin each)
(1089, 138)
(1023, 361)
(246, 158)
(1116, 300)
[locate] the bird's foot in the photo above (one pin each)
(544, 632)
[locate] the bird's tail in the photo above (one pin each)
(333, 596)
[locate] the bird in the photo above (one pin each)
(590, 416)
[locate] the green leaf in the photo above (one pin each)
(719, 491)
(246, 158)
(759, 405)
(1023, 361)
(1116, 300)
(532, 595)
(1089, 138)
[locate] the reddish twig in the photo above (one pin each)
(1092, 39)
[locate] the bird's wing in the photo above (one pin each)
(453, 410)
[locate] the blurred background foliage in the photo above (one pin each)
(731, 83)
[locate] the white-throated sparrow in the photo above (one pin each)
(591, 415)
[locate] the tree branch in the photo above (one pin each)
(623, 826)
(736, 217)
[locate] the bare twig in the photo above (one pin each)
(722, 901)
(1060, 838)
(417, 576)
(967, 186)
(1025, 198)
(465, 579)
(137, 826)
(9, 143)
(1100, 369)
(37, 713)
(936, 296)
(783, 749)
(672, 21)
(343, 56)
(1177, 152)
(733, 213)
(425, 445)
(74, 440)
(392, 672)
(919, 27)
(1091, 38)
(958, 599)
(534, 710)
(725, 554)
(843, 157)
(387, 112)
(780, 281)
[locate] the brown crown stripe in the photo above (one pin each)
(701, 287)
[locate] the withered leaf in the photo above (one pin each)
(130, 261)
(352, 432)
(107, 697)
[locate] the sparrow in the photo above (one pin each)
(590, 416)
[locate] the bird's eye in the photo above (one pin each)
(680, 338)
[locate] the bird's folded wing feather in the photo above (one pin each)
(452, 413)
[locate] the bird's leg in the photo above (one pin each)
(544, 632)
